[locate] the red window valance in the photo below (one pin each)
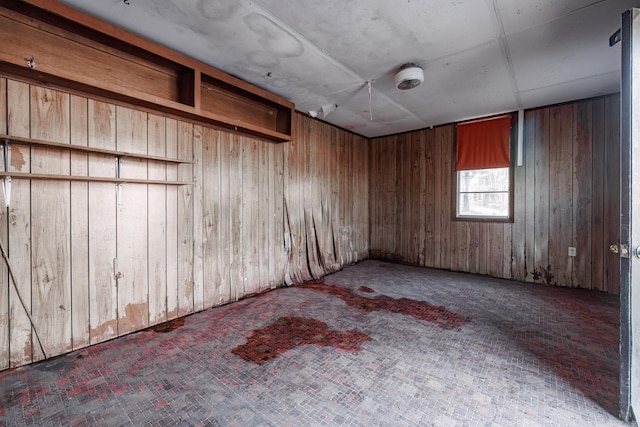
(484, 144)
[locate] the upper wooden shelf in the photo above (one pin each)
(51, 43)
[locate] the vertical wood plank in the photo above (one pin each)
(495, 249)
(431, 162)
(473, 245)
(483, 248)
(227, 188)
(421, 203)
(279, 253)
(582, 194)
(448, 140)
(438, 198)
(211, 204)
(541, 196)
(262, 245)
(157, 222)
(530, 146)
(102, 224)
(249, 224)
(4, 274)
(599, 246)
(185, 220)
(235, 214)
(560, 190)
(612, 191)
(132, 224)
(197, 214)
(507, 256)
(19, 247)
(80, 314)
(171, 134)
(518, 239)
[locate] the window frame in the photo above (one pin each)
(454, 178)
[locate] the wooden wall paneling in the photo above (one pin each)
(157, 221)
(363, 155)
(102, 224)
(612, 191)
(582, 193)
(311, 198)
(560, 191)
(530, 143)
(599, 247)
(495, 248)
(235, 215)
(19, 247)
(507, 257)
(431, 163)
(80, 314)
(224, 293)
(390, 198)
(483, 247)
(327, 187)
(420, 196)
(447, 136)
(540, 265)
(272, 247)
(518, 261)
(263, 182)
(438, 198)
(403, 198)
(374, 199)
(4, 272)
(459, 252)
(171, 135)
(249, 226)
(50, 223)
(338, 206)
(198, 266)
(185, 220)
(278, 256)
(211, 206)
(473, 247)
(132, 224)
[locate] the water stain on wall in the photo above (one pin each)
(289, 332)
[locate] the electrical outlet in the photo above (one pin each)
(572, 251)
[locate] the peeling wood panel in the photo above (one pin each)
(171, 135)
(263, 214)
(132, 224)
(80, 291)
(157, 221)
(278, 252)
(518, 263)
(19, 247)
(185, 220)
(582, 193)
(198, 266)
(599, 246)
(103, 303)
(612, 192)
(5, 284)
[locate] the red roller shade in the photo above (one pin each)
(484, 144)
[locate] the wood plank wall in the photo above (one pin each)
(90, 268)
(566, 194)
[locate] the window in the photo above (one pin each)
(483, 170)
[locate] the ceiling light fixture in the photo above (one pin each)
(409, 76)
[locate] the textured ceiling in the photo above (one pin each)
(480, 57)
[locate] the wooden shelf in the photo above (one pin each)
(23, 175)
(115, 153)
(75, 51)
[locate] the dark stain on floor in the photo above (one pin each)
(288, 332)
(366, 289)
(418, 309)
(169, 326)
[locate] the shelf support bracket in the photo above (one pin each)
(6, 162)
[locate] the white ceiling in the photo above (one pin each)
(480, 57)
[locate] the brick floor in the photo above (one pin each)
(376, 344)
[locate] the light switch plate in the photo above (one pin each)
(572, 251)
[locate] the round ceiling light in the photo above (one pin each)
(409, 76)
